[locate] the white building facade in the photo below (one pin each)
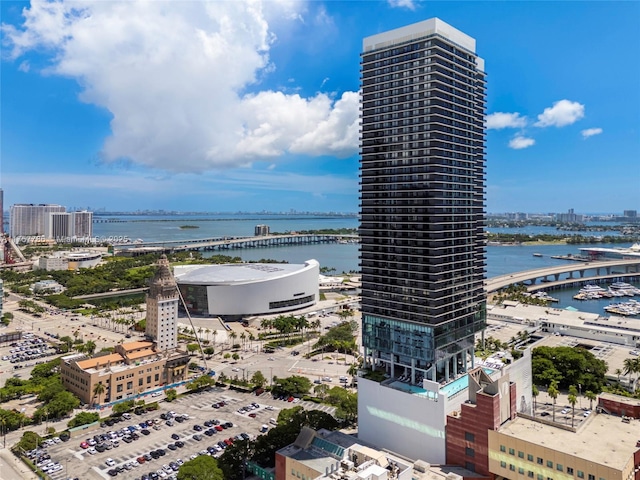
(245, 289)
(28, 220)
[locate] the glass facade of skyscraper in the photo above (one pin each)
(422, 200)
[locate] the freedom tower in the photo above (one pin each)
(422, 202)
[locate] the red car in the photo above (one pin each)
(140, 460)
(218, 428)
(290, 399)
(84, 445)
(252, 415)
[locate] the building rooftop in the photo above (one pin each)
(102, 361)
(142, 353)
(625, 400)
(236, 273)
(127, 347)
(603, 439)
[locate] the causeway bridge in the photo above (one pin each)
(228, 243)
(565, 275)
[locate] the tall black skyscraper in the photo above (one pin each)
(422, 200)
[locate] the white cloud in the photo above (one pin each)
(590, 132)
(562, 113)
(410, 4)
(500, 120)
(24, 66)
(173, 77)
(519, 142)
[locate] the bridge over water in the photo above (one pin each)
(227, 243)
(549, 277)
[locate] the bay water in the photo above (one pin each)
(501, 259)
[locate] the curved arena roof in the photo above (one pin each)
(237, 273)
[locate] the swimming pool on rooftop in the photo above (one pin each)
(452, 388)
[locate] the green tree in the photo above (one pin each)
(192, 347)
(591, 397)
(90, 347)
(572, 400)
(171, 394)
(83, 418)
(553, 392)
(202, 467)
(535, 392)
(258, 379)
(209, 351)
(295, 385)
(201, 382)
(122, 407)
(98, 390)
(568, 366)
(29, 441)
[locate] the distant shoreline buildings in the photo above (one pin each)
(50, 222)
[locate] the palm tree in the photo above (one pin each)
(251, 340)
(215, 334)
(243, 337)
(232, 337)
(572, 400)
(90, 347)
(320, 390)
(98, 390)
(553, 392)
(535, 392)
(618, 372)
(631, 366)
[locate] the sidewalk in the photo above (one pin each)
(11, 468)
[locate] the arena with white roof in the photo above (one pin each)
(243, 289)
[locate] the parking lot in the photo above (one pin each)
(78, 462)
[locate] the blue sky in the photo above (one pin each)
(230, 106)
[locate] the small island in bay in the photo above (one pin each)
(186, 227)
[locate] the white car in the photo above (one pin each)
(564, 411)
(167, 468)
(55, 468)
(92, 451)
(110, 462)
(156, 394)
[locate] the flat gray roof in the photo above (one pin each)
(236, 272)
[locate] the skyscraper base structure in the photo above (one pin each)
(422, 227)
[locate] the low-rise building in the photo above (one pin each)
(132, 369)
(69, 261)
(47, 286)
(324, 454)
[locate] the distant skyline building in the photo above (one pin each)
(422, 233)
(50, 221)
(162, 308)
(570, 217)
(57, 226)
(28, 220)
(82, 224)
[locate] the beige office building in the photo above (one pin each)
(603, 448)
(131, 370)
(134, 367)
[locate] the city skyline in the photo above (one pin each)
(104, 122)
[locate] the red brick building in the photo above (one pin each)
(618, 405)
(490, 404)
